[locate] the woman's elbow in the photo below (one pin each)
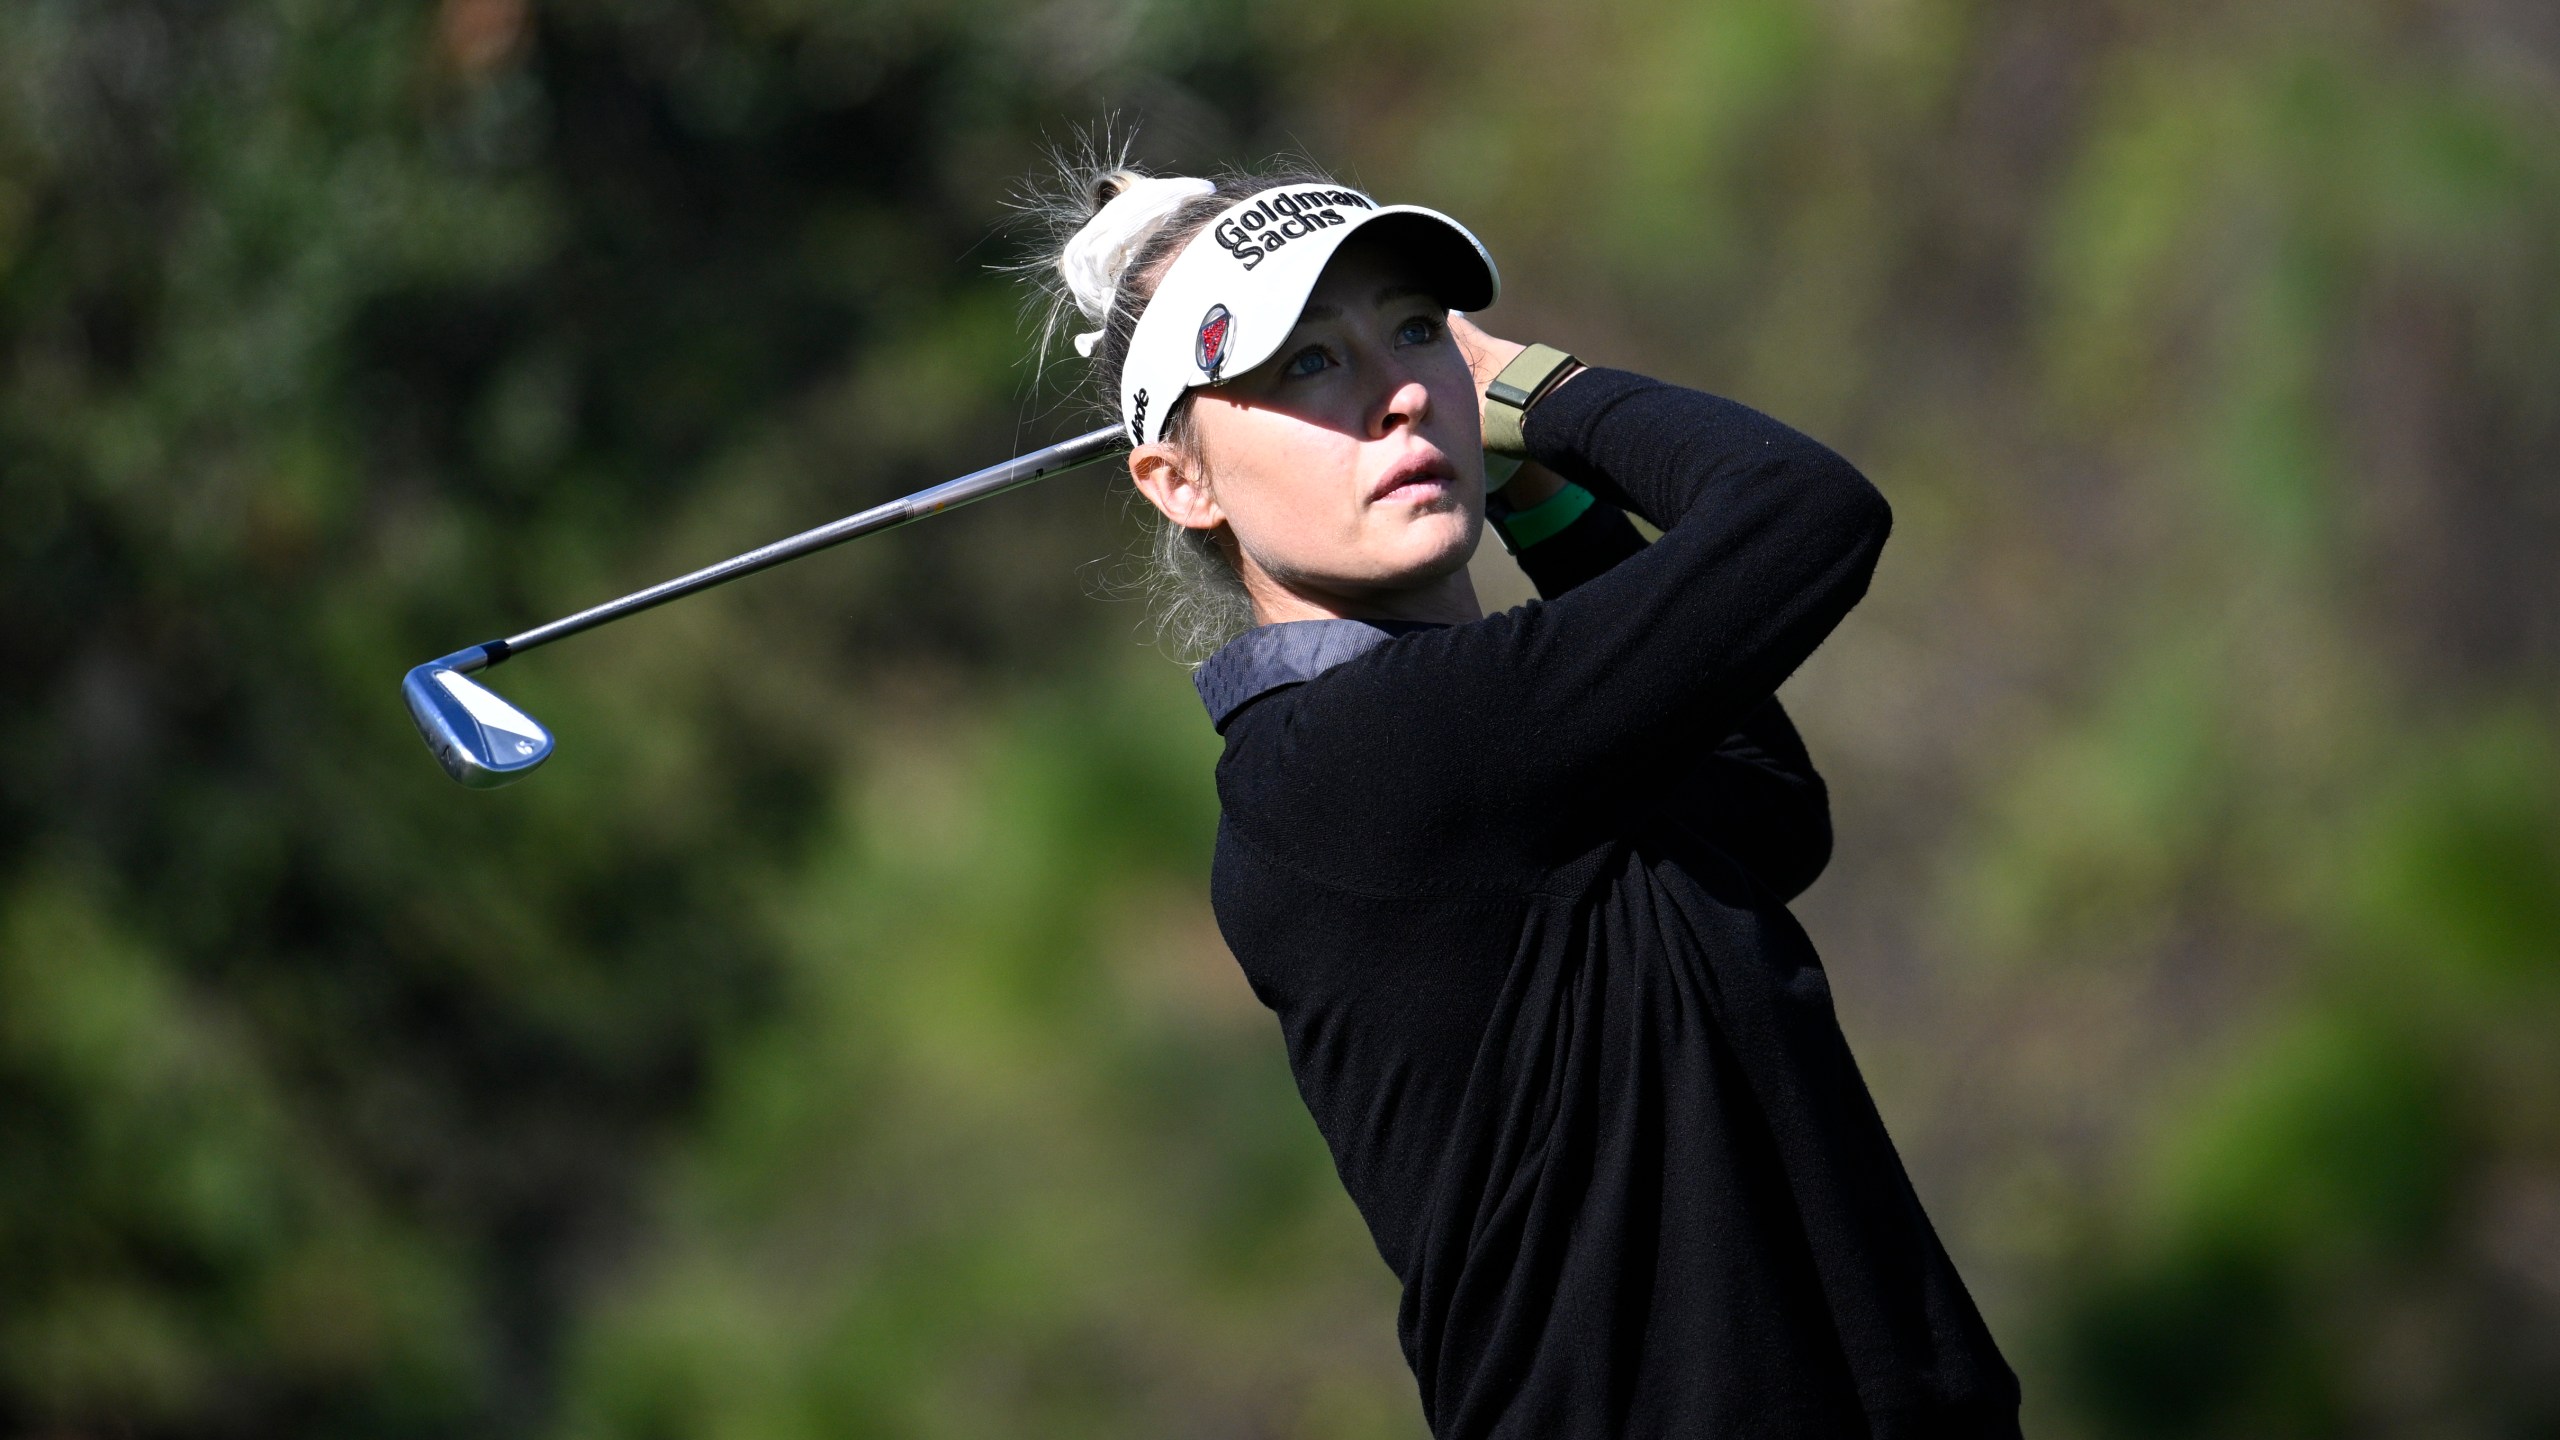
(1795, 843)
(1803, 859)
(1855, 505)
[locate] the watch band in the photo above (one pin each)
(1530, 374)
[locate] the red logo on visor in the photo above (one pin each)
(1216, 329)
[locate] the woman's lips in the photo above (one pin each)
(1422, 480)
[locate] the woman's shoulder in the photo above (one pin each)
(1274, 657)
(1335, 772)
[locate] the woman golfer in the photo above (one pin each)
(1516, 884)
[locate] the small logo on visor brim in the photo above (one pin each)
(1217, 334)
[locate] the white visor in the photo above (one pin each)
(1233, 294)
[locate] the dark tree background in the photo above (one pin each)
(833, 1040)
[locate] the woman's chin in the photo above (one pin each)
(1422, 551)
(1429, 556)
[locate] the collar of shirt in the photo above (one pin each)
(1291, 652)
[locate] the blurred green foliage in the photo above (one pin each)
(834, 1039)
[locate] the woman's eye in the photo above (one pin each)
(1420, 330)
(1306, 362)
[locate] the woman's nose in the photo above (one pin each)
(1408, 401)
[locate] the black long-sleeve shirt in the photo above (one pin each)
(1516, 890)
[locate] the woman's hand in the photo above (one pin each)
(1486, 356)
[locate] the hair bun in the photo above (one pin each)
(1134, 206)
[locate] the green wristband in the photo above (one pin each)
(1544, 520)
(1507, 400)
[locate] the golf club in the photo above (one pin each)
(482, 741)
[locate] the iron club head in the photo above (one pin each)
(480, 739)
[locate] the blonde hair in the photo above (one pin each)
(1187, 577)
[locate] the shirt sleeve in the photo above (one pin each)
(1758, 799)
(1486, 753)
(1755, 794)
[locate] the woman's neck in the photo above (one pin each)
(1449, 600)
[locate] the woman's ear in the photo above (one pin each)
(1168, 482)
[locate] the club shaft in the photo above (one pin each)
(949, 495)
